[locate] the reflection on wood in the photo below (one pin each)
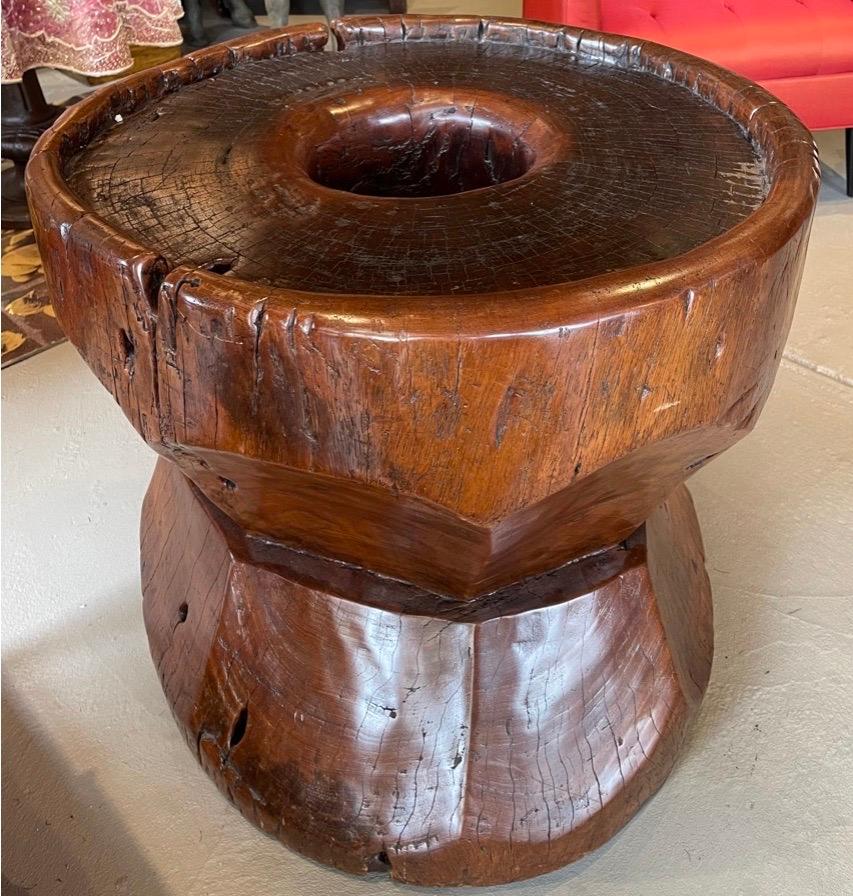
(428, 333)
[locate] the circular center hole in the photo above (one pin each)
(410, 146)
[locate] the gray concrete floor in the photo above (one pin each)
(102, 796)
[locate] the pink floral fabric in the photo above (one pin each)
(91, 37)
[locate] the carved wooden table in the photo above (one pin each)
(428, 333)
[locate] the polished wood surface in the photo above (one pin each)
(429, 332)
(481, 744)
(418, 134)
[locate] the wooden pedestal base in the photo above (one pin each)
(372, 725)
(452, 328)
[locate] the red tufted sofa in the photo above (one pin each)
(799, 50)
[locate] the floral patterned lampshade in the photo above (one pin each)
(91, 37)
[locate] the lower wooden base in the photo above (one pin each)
(374, 726)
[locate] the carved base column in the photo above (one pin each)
(372, 725)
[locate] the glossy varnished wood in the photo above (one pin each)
(417, 134)
(486, 743)
(429, 333)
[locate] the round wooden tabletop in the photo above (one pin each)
(401, 167)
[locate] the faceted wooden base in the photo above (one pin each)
(372, 725)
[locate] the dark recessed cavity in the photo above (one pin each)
(238, 730)
(380, 862)
(220, 265)
(183, 611)
(430, 148)
(128, 351)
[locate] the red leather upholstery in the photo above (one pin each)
(584, 13)
(822, 102)
(799, 50)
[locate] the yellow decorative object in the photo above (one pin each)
(22, 263)
(26, 305)
(17, 237)
(12, 340)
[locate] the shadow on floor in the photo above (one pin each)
(58, 826)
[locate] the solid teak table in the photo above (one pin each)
(428, 333)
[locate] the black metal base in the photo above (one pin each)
(26, 115)
(15, 214)
(848, 153)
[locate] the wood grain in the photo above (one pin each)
(417, 134)
(458, 441)
(429, 332)
(484, 745)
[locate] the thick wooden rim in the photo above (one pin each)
(786, 145)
